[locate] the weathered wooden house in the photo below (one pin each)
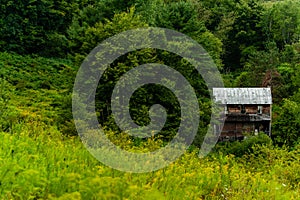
(247, 110)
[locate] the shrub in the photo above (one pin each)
(240, 148)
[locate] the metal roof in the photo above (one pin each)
(242, 95)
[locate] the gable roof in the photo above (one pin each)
(242, 95)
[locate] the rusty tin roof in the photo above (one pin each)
(242, 95)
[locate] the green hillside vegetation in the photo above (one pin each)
(254, 43)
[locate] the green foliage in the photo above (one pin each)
(281, 22)
(261, 37)
(227, 29)
(236, 24)
(35, 89)
(257, 64)
(8, 113)
(280, 160)
(245, 79)
(287, 123)
(286, 85)
(83, 38)
(148, 95)
(35, 26)
(244, 147)
(180, 16)
(185, 17)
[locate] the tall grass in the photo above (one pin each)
(38, 163)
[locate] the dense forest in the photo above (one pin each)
(253, 43)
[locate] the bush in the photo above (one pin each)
(246, 146)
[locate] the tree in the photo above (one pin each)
(35, 26)
(287, 123)
(84, 36)
(281, 23)
(143, 98)
(184, 16)
(236, 23)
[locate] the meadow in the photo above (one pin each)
(38, 163)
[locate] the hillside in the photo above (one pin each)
(250, 43)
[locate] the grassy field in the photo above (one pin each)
(37, 163)
(40, 160)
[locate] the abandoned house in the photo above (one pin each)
(247, 110)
